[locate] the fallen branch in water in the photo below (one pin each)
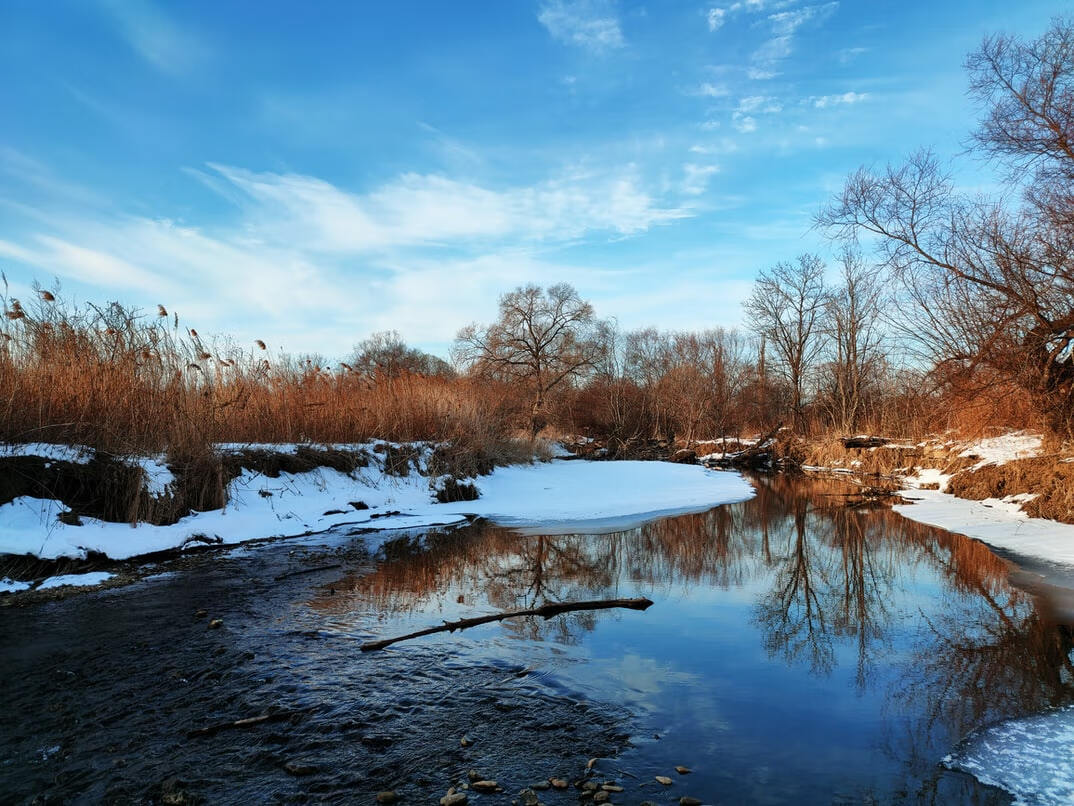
(545, 611)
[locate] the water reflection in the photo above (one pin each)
(923, 625)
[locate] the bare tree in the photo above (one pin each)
(992, 281)
(787, 308)
(541, 338)
(853, 329)
(386, 354)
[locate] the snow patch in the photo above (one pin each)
(76, 454)
(1003, 449)
(1031, 757)
(555, 493)
(12, 585)
(91, 578)
(999, 523)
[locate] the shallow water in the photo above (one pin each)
(797, 652)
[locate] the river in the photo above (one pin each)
(797, 651)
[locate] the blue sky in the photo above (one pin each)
(310, 173)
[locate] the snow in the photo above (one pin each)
(12, 585)
(999, 523)
(1030, 758)
(1002, 449)
(558, 494)
(76, 454)
(91, 578)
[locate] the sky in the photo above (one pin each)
(310, 173)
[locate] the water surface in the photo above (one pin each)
(798, 651)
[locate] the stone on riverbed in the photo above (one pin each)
(387, 796)
(663, 779)
(453, 799)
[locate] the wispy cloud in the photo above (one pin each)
(822, 101)
(847, 55)
(591, 24)
(784, 26)
(168, 46)
(696, 178)
(429, 209)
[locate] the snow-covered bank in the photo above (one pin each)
(553, 493)
(998, 523)
(1031, 758)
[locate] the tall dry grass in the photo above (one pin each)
(127, 382)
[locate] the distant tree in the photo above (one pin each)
(989, 282)
(852, 325)
(387, 355)
(542, 338)
(787, 308)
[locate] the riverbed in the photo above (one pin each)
(798, 651)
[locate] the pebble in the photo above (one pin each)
(601, 797)
(688, 801)
(474, 775)
(453, 799)
(294, 768)
(485, 786)
(527, 797)
(466, 741)
(590, 786)
(558, 783)
(216, 623)
(541, 786)
(387, 796)
(612, 788)
(683, 770)
(201, 613)
(590, 763)
(663, 779)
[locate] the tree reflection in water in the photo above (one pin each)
(830, 584)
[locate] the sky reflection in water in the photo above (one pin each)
(798, 650)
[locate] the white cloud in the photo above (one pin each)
(589, 24)
(847, 55)
(155, 37)
(716, 18)
(823, 101)
(422, 253)
(784, 26)
(709, 90)
(743, 123)
(763, 104)
(757, 74)
(429, 209)
(696, 178)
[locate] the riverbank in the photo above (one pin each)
(291, 490)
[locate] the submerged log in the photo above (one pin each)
(546, 611)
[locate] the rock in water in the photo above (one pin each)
(485, 786)
(387, 796)
(297, 769)
(558, 783)
(453, 799)
(474, 775)
(688, 801)
(683, 770)
(216, 623)
(466, 741)
(601, 797)
(663, 779)
(527, 797)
